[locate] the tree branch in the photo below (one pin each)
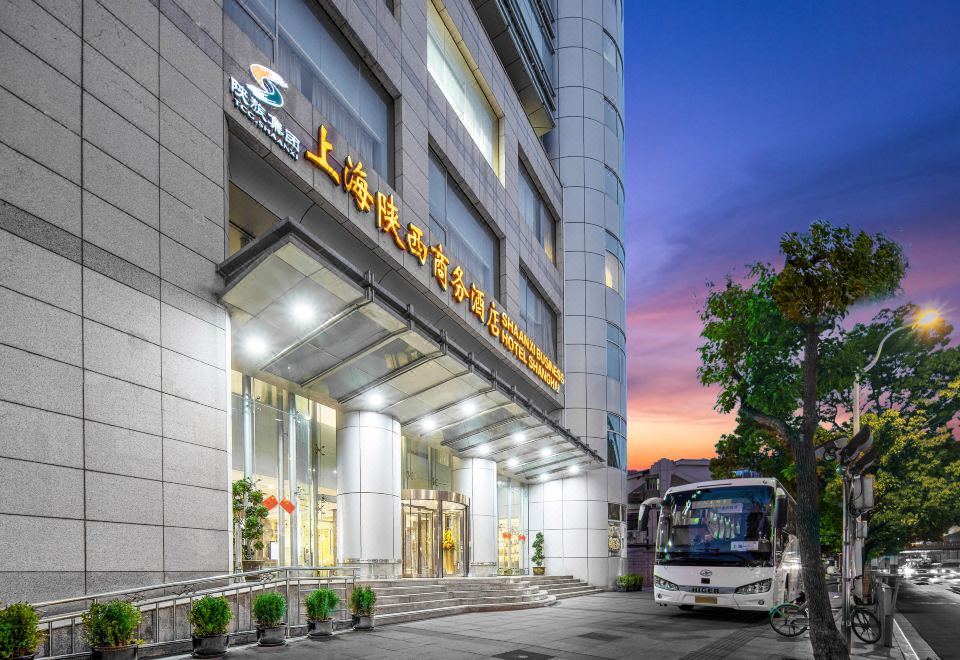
(773, 425)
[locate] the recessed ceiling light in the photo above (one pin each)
(302, 312)
(483, 450)
(469, 407)
(512, 462)
(519, 436)
(428, 424)
(543, 477)
(255, 346)
(574, 469)
(375, 399)
(546, 451)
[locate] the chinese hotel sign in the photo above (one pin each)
(352, 178)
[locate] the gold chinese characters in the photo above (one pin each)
(499, 325)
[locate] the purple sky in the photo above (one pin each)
(748, 119)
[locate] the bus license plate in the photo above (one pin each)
(705, 600)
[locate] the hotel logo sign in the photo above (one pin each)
(253, 100)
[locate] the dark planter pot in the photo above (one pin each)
(252, 565)
(364, 622)
(116, 652)
(539, 570)
(271, 636)
(24, 657)
(317, 629)
(211, 646)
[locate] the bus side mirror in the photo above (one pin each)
(781, 513)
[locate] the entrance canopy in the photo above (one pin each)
(301, 313)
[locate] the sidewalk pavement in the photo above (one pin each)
(606, 625)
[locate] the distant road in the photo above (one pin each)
(935, 612)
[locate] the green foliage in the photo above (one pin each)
(249, 515)
(18, 630)
(362, 601)
(917, 486)
(320, 603)
(210, 615)
(113, 623)
(538, 550)
(630, 582)
(269, 609)
(829, 269)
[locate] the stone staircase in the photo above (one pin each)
(412, 599)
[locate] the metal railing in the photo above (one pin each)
(165, 607)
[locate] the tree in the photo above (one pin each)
(763, 348)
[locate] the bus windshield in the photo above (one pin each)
(723, 525)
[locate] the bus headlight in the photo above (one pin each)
(756, 587)
(664, 584)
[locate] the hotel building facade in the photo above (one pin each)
(365, 253)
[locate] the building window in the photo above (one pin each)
(611, 53)
(535, 213)
(616, 353)
(614, 264)
(537, 318)
(538, 18)
(449, 69)
(611, 117)
(467, 240)
(616, 442)
(314, 57)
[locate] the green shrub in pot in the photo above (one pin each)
(320, 604)
(268, 610)
(19, 636)
(362, 602)
(111, 630)
(210, 617)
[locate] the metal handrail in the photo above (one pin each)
(62, 640)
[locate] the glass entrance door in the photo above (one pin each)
(419, 539)
(436, 533)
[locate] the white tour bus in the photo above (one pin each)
(729, 543)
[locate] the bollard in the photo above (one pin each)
(886, 610)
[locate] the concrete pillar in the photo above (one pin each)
(368, 494)
(477, 479)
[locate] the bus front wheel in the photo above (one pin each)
(685, 608)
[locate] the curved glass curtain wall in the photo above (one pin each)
(294, 460)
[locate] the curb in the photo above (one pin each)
(910, 642)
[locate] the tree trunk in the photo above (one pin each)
(828, 643)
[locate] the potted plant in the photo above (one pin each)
(249, 514)
(110, 629)
(449, 550)
(362, 601)
(210, 617)
(268, 611)
(19, 636)
(538, 554)
(320, 603)
(630, 582)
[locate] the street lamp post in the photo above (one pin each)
(925, 319)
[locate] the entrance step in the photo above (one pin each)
(564, 586)
(404, 600)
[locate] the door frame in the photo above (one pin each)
(407, 498)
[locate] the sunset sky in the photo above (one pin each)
(748, 119)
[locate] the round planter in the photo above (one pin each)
(116, 652)
(316, 629)
(364, 622)
(211, 646)
(252, 565)
(271, 635)
(539, 570)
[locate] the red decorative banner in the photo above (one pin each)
(287, 505)
(506, 535)
(270, 502)
(522, 538)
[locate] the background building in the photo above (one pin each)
(654, 482)
(208, 271)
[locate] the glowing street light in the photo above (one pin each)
(927, 318)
